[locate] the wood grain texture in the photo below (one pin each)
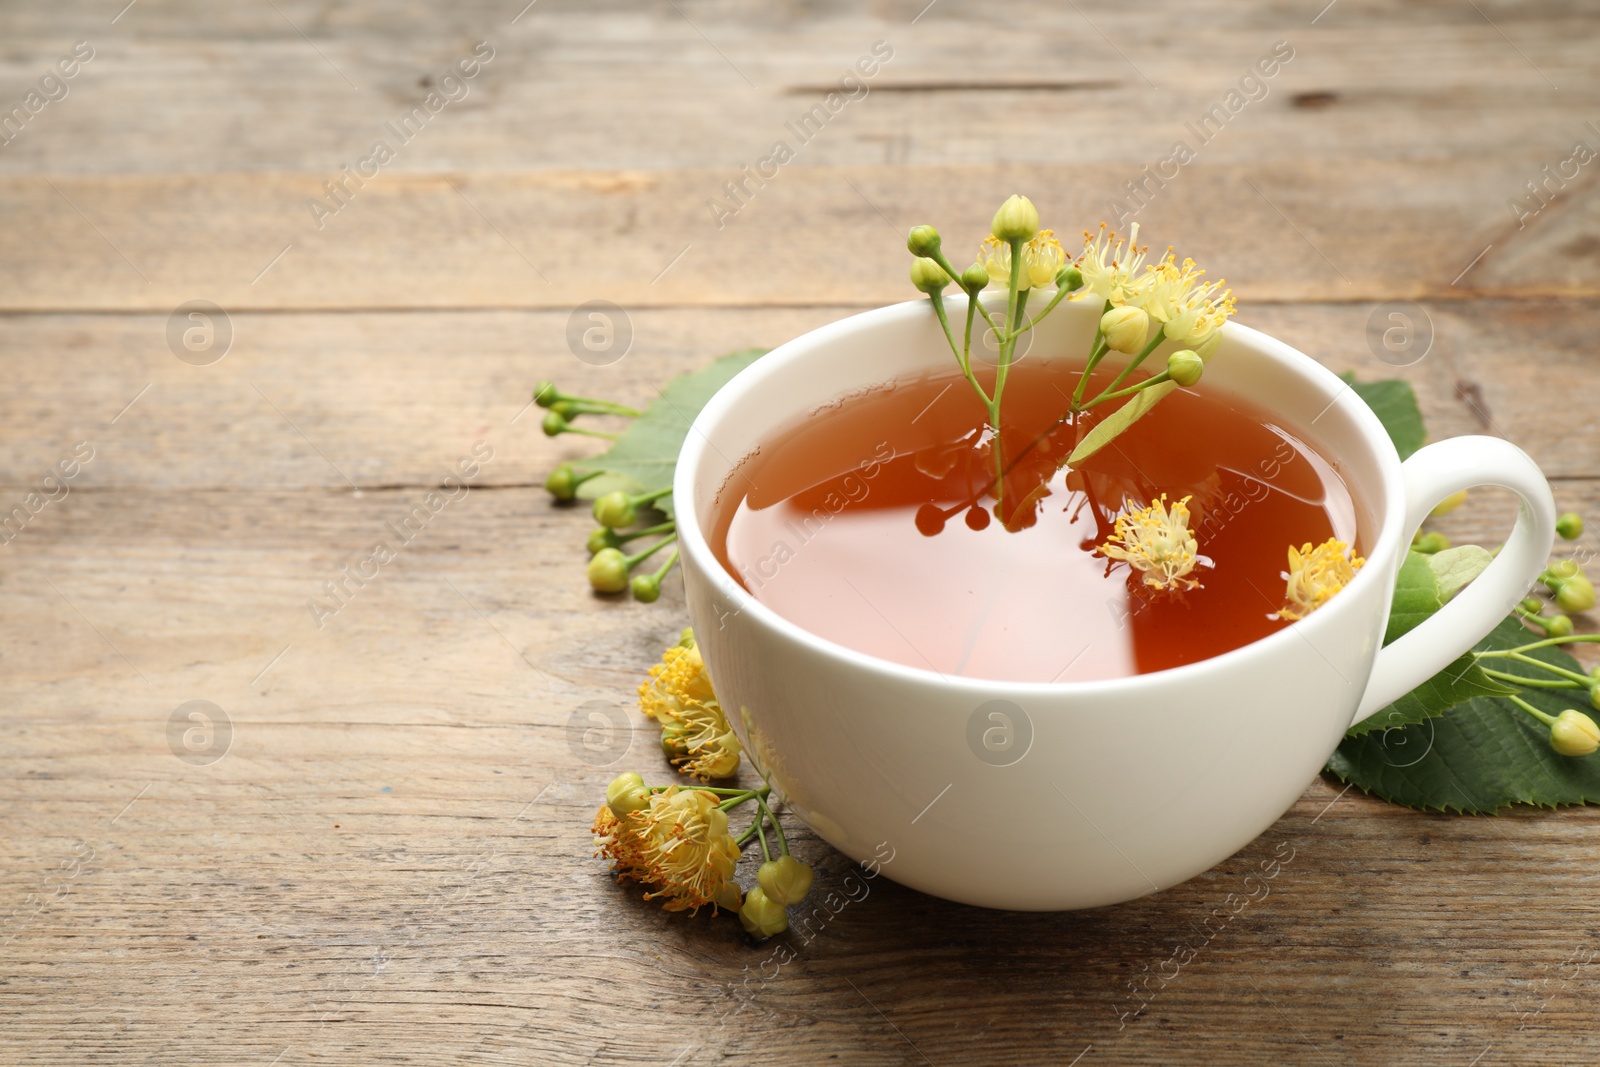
(1366, 230)
(390, 863)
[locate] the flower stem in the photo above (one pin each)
(1517, 655)
(672, 557)
(1548, 720)
(963, 356)
(1160, 336)
(777, 828)
(1061, 294)
(659, 528)
(639, 557)
(1546, 643)
(1537, 683)
(1097, 352)
(650, 497)
(761, 817)
(740, 796)
(1154, 379)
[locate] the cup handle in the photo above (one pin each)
(1432, 474)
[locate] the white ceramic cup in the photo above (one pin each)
(1074, 795)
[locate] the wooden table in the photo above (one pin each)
(390, 860)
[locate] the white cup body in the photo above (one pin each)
(1125, 786)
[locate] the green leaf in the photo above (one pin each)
(1482, 755)
(1416, 597)
(644, 457)
(1455, 567)
(1119, 420)
(1395, 404)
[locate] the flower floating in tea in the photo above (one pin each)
(1316, 575)
(694, 731)
(1156, 542)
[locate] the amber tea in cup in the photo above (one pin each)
(874, 523)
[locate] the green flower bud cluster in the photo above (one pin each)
(1572, 589)
(562, 412)
(1572, 732)
(610, 568)
(1016, 255)
(781, 882)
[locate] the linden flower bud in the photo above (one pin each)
(1449, 503)
(1594, 696)
(1126, 328)
(1570, 526)
(545, 394)
(1185, 367)
(602, 538)
(762, 917)
(615, 510)
(1574, 734)
(785, 880)
(1430, 542)
(646, 588)
(553, 425)
(1558, 626)
(608, 571)
(923, 241)
(1575, 594)
(1561, 570)
(562, 483)
(1017, 220)
(1532, 604)
(928, 276)
(1070, 280)
(627, 794)
(974, 278)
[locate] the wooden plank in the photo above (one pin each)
(620, 87)
(1365, 231)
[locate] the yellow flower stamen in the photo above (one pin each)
(679, 696)
(1316, 575)
(1042, 258)
(1111, 267)
(680, 844)
(1157, 543)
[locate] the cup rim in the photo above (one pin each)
(1390, 500)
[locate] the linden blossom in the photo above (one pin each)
(455, 89)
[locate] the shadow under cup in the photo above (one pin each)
(1022, 795)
